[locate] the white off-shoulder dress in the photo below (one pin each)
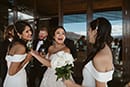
(49, 79)
(19, 79)
(90, 74)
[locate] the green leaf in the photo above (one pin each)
(64, 72)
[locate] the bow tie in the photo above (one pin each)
(41, 40)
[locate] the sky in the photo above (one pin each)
(80, 28)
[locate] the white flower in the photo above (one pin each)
(68, 58)
(29, 45)
(57, 62)
(61, 59)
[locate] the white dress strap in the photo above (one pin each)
(99, 76)
(16, 57)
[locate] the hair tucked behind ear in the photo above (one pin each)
(19, 27)
(103, 27)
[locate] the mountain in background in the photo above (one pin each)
(73, 36)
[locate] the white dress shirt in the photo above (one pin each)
(39, 44)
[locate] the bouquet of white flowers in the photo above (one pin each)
(63, 64)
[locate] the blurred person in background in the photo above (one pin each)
(8, 37)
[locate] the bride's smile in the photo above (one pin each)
(59, 36)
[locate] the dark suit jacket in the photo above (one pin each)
(45, 46)
(3, 51)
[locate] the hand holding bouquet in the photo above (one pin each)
(63, 64)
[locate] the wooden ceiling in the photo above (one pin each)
(50, 7)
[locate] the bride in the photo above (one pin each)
(49, 79)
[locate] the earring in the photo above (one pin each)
(20, 37)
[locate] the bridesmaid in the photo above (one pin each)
(98, 67)
(17, 57)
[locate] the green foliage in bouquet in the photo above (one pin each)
(64, 72)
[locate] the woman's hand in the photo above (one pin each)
(70, 83)
(44, 61)
(37, 55)
(29, 56)
(33, 53)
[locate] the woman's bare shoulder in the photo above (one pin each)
(51, 48)
(103, 61)
(17, 48)
(66, 49)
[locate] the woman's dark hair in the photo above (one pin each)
(19, 27)
(54, 30)
(7, 32)
(103, 27)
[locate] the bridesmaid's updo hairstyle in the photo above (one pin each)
(103, 27)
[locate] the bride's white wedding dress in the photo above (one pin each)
(90, 74)
(19, 79)
(49, 79)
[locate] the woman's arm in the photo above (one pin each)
(42, 58)
(70, 83)
(27, 59)
(16, 66)
(100, 84)
(44, 61)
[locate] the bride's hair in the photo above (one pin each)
(54, 30)
(103, 27)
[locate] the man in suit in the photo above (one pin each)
(41, 45)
